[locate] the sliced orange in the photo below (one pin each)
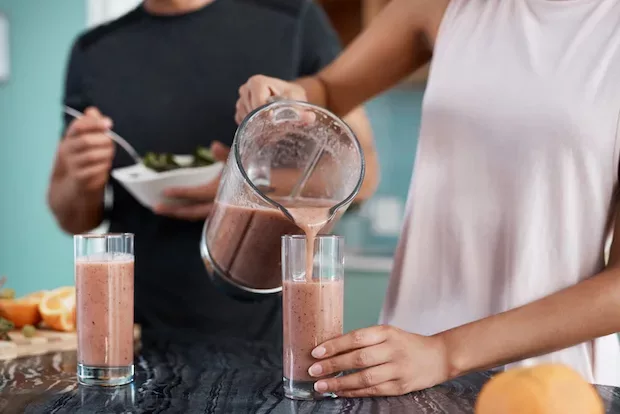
(35, 296)
(57, 308)
(20, 311)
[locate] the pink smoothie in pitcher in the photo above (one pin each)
(105, 289)
(246, 242)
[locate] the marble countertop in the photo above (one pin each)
(210, 376)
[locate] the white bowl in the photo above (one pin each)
(147, 186)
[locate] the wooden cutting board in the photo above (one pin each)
(44, 342)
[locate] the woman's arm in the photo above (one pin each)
(574, 315)
(396, 43)
(394, 362)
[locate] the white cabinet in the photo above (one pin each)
(101, 11)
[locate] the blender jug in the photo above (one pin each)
(292, 166)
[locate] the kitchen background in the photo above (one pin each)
(35, 254)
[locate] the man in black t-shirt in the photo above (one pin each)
(166, 76)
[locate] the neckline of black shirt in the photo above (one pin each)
(178, 16)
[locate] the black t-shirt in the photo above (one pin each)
(170, 83)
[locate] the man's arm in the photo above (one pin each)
(81, 166)
(75, 211)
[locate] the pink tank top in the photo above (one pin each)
(516, 165)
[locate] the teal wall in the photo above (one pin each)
(34, 254)
(363, 298)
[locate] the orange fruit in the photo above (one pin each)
(57, 308)
(543, 389)
(35, 296)
(22, 311)
(19, 311)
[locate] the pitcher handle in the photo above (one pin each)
(283, 114)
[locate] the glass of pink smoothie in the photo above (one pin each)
(104, 280)
(312, 306)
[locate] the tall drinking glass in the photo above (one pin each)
(312, 303)
(104, 280)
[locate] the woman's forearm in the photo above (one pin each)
(315, 90)
(574, 315)
(396, 43)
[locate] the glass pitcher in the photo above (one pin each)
(291, 163)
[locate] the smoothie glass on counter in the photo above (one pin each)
(294, 168)
(312, 307)
(104, 282)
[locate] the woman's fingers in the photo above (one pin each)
(361, 358)
(239, 111)
(244, 103)
(257, 90)
(360, 338)
(369, 377)
(259, 97)
(386, 389)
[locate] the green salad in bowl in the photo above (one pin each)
(160, 162)
(147, 181)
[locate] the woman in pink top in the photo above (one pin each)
(501, 258)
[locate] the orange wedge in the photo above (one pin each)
(57, 309)
(35, 296)
(20, 311)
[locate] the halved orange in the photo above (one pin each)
(57, 308)
(20, 311)
(34, 296)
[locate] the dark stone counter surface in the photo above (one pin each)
(212, 376)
